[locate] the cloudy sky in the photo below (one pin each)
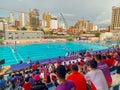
(98, 11)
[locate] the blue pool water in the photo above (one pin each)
(42, 51)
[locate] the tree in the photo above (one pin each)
(97, 34)
(23, 28)
(1, 40)
(70, 38)
(18, 28)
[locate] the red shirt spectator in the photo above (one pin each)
(82, 63)
(77, 78)
(27, 85)
(69, 65)
(115, 55)
(36, 77)
(107, 52)
(77, 62)
(87, 54)
(109, 61)
(58, 62)
(53, 77)
(34, 67)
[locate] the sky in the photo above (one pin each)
(97, 11)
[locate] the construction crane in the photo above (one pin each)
(62, 18)
(14, 10)
(66, 18)
(66, 25)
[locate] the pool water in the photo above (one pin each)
(42, 51)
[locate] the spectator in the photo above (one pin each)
(28, 60)
(39, 85)
(69, 65)
(80, 68)
(14, 86)
(2, 82)
(53, 77)
(9, 77)
(118, 58)
(77, 78)
(63, 84)
(96, 76)
(27, 84)
(34, 67)
(31, 79)
(105, 69)
(21, 62)
(118, 63)
(109, 61)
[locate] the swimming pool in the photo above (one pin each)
(42, 51)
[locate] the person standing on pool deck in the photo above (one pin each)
(29, 61)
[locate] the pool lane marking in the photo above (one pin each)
(20, 56)
(14, 55)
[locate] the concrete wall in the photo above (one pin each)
(106, 35)
(13, 34)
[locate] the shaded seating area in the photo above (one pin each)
(2, 62)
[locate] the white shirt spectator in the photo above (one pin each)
(79, 59)
(98, 79)
(91, 51)
(87, 59)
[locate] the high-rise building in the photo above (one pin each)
(115, 23)
(11, 18)
(47, 19)
(115, 20)
(84, 25)
(17, 23)
(34, 18)
(95, 28)
(22, 19)
(54, 23)
(62, 25)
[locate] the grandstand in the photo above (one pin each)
(45, 71)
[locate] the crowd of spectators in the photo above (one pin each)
(82, 71)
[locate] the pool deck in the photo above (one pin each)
(4, 69)
(8, 42)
